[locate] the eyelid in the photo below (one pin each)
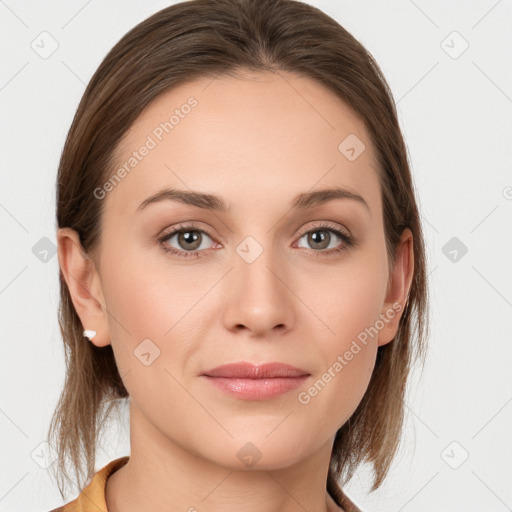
(327, 225)
(182, 226)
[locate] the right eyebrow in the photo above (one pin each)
(206, 201)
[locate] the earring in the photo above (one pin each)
(89, 334)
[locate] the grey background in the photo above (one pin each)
(455, 108)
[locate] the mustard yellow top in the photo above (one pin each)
(92, 498)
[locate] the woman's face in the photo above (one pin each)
(259, 281)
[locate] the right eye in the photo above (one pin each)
(186, 236)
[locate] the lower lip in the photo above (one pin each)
(256, 389)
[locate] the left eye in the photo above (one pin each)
(320, 238)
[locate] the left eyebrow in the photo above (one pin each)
(304, 200)
(319, 197)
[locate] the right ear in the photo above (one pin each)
(84, 285)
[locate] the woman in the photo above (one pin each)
(241, 259)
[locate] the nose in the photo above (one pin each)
(259, 296)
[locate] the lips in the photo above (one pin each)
(245, 370)
(246, 381)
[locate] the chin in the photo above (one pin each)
(258, 452)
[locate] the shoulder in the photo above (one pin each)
(69, 507)
(95, 490)
(72, 506)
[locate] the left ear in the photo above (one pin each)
(398, 287)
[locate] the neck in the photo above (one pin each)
(162, 476)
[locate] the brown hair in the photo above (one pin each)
(201, 38)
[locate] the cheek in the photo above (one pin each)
(338, 390)
(158, 313)
(348, 304)
(347, 298)
(348, 362)
(143, 305)
(151, 335)
(150, 297)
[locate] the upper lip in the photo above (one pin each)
(246, 370)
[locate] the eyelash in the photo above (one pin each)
(347, 239)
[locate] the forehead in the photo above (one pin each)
(258, 136)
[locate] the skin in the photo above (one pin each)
(256, 141)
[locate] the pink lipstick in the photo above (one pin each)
(250, 382)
